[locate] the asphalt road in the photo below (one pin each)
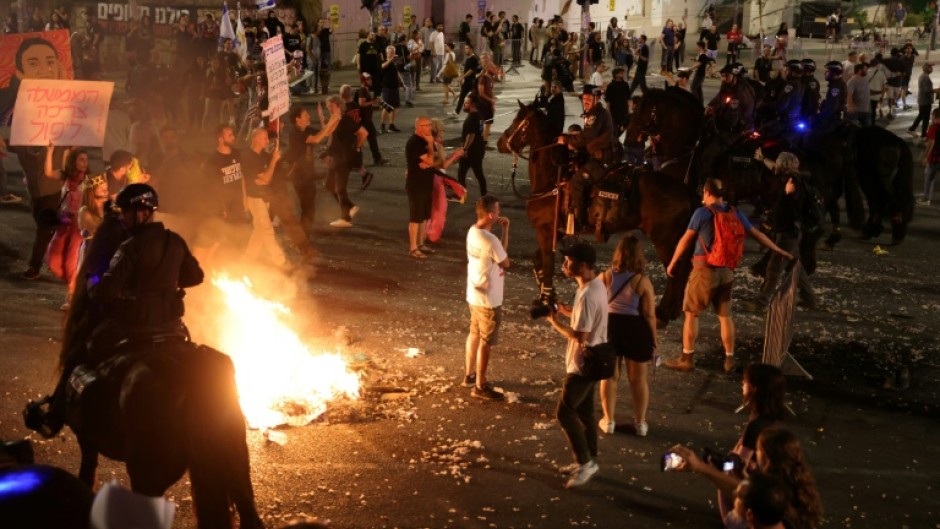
(439, 458)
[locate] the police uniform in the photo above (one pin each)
(733, 107)
(811, 97)
(833, 107)
(596, 137)
(790, 101)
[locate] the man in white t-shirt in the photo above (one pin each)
(436, 44)
(588, 326)
(487, 262)
(597, 78)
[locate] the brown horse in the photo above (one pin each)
(162, 407)
(648, 201)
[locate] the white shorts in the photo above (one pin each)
(892, 92)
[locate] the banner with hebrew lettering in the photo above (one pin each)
(41, 55)
(73, 113)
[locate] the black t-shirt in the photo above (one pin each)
(390, 77)
(517, 31)
(224, 179)
(896, 69)
(297, 146)
(597, 51)
(616, 95)
(702, 61)
(753, 430)
(711, 40)
(253, 164)
(472, 64)
(464, 33)
(763, 66)
(292, 41)
(487, 28)
(414, 150)
(365, 112)
(369, 57)
(473, 125)
(343, 141)
(324, 36)
(562, 36)
(644, 52)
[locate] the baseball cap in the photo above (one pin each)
(581, 252)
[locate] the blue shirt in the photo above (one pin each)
(703, 223)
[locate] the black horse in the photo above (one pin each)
(638, 199)
(161, 407)
(848, 161)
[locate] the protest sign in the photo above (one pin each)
(276, 67)
(63, 112)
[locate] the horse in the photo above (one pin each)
(839, 161)
(657, 205)
(162, 407)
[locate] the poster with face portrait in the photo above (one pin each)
(43, 55)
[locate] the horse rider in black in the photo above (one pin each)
(596, 139)
(833, 106)
(142, 291)
(810, 104)
(554, 106)
(733, 107)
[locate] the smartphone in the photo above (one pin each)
(727, 466)
(671, 461)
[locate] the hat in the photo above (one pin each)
(590, 90)
(298, 54)
(581, 252)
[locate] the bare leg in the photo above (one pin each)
(473, 343)
(690, 331)
(413, 228)
(483, 360)
(608, 392)
(727, 333)
(639, 387)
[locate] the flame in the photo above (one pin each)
(280, 380)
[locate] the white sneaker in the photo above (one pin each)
(353, 211)
(570, 469)
(606, 426)
(585, 473)
(642, 429)
(341, 223)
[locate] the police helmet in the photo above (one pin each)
(809, 65)
(137, 196)
(364, 76)
(591, 90)
(795, 66)
(727, 70)
(739, 69)
(834, 67)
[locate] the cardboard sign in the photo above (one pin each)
(406, 16)
(276, 67)
(71, 113)
(334, 16)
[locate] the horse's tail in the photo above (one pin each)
(854, 203)
(218, 452)
(903, 191)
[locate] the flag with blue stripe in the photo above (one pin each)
(226, 31)
(264, 4)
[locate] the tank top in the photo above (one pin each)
(627, 301)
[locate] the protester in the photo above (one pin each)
(474, 146)
(486, 271)
(642, 63)
(62, 254)
(468, 79)
(858, 102)
(925, 96)
(588, 327)
(711, 284)
(324, 33)
(442, 182)
(391, 100)
(931, 159)
(259, 169)
(346, 139)
(631, 329)
(448, 72)
(419, 183)
(301, 138)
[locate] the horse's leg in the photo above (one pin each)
(541, 217)
(88, 469)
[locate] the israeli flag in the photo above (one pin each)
(264, 4)
(226, 31)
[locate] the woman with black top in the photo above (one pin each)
(631, 329)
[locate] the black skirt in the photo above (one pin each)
(631, 337)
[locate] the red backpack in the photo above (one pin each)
(728, 245)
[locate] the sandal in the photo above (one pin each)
(417, 254)
(425, 248)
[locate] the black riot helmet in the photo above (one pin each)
(833, 69)
(137, 196)
(794, 66)
(809, 65)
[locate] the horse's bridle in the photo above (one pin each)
(520, 128)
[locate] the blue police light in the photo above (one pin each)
(20, 482)
(801, 125)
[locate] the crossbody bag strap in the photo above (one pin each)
(620, 289)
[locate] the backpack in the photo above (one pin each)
(728, 245)
(814, 209)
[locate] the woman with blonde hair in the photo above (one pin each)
(435, 226)
(631, 329)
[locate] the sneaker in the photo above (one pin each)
(366, 181)
(585, 473)
(681, 364)
(922, 202)
(353, 211)
(470, 380)
(642, 429)
(486, 392)
(383, 129)
(30, 273)
(393, 128)
(10, 198)
(341, 223)
(606, 426)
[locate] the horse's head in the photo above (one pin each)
(673, 113)
(520, 133)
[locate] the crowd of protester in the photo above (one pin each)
(213, 88)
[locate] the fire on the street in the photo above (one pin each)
(280, 379)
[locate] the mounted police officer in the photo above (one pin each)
(833, 106)
(733, 107)
(810, 104)
(596, 140)
(141, 294)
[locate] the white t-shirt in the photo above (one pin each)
(597, 79)
(589, 314)
(484, 275)
(437, 43)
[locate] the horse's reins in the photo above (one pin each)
(647, 132)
